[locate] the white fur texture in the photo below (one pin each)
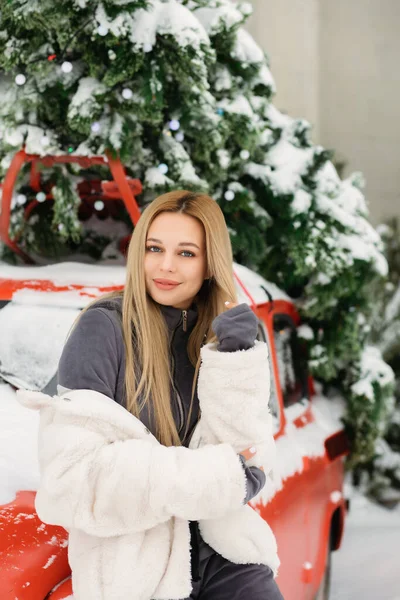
(234, 390)
(126, 500)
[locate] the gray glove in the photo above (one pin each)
(236, 329)
(255, 480)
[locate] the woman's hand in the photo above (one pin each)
(249, 453)
(255, 480)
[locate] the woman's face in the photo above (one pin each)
(175, 263)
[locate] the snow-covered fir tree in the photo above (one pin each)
(381, 476)
(180, 90)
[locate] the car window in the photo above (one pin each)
(273, 399)
(292, 362)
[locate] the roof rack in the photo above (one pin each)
(122, 188)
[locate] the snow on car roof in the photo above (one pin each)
(249, 284)
(67, 273)
(254, 284)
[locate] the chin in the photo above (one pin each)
(165, 298)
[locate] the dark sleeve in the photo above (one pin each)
(90, 356)
(255, 480)
(236, 329)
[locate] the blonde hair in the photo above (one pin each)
(144, 328)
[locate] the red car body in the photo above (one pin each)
(306, 513)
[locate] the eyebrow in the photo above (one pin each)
(181, 244)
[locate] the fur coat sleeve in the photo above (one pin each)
(234, 391)
(103, 473)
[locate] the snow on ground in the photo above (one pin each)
(367, 565)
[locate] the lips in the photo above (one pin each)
(165, 284)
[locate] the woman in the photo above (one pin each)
(130, 485)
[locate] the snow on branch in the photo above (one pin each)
(373, 370)
(161, 18)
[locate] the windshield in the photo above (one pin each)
(31, 342)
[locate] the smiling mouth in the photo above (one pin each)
(166, 282)
(163, 284)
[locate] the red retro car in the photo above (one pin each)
(305, 508)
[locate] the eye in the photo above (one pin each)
(157, 250)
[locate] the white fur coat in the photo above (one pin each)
(126, 500)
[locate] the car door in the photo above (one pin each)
(286, 511)
(317, 481)
(323, 480)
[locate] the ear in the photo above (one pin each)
(32, 399)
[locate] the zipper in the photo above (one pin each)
(184, 317)
(177, 396)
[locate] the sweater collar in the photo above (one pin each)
(175, 316)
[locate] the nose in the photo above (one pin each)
(167, 262)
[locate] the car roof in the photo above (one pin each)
(75, 284)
